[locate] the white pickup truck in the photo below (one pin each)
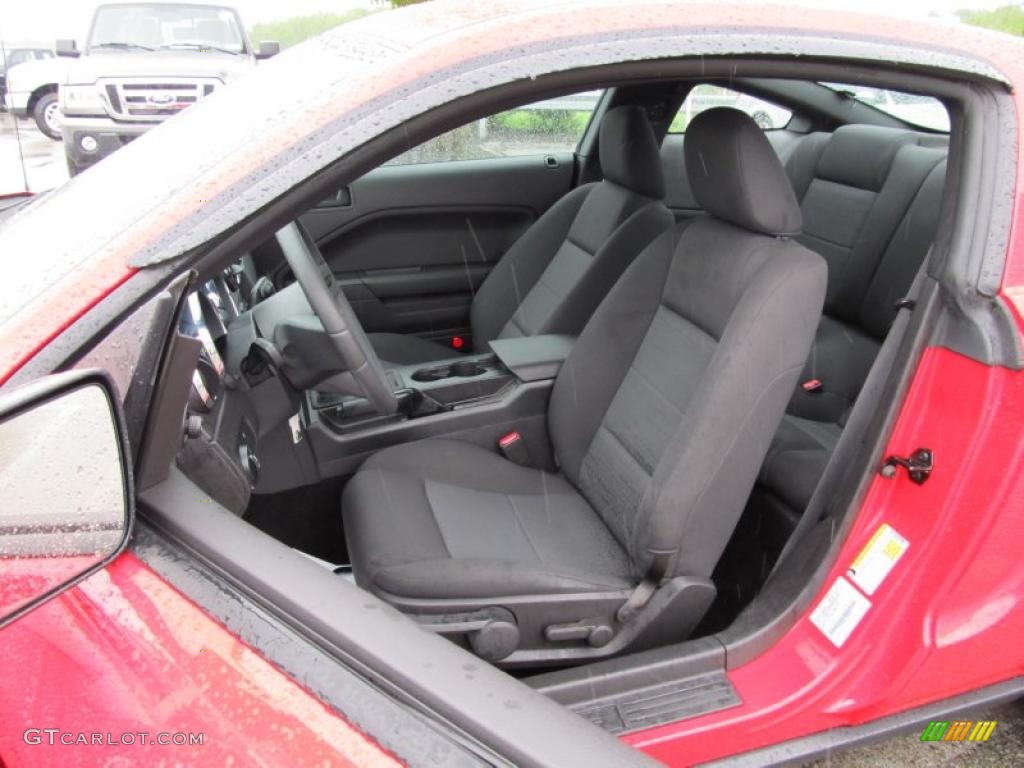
(31, 90)
(142, 63)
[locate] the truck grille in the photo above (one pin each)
(155, 99)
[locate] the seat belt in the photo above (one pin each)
(857, 423)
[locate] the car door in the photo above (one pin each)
(412, 240)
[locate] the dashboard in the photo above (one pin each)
(221, 428)
(247, 353)
(208, 378)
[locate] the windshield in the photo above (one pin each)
(154, 27)
(922, 111)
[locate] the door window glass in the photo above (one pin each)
(553, 125)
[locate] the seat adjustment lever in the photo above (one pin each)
(595, 631)
(492, 632)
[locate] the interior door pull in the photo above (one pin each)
(340, 199)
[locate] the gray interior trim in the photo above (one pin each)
(614, 676)
(532, 358)
(483, 422)
(819, 101)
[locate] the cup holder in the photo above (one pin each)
(465, 368)
(460, 369)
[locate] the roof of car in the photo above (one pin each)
(247, 146)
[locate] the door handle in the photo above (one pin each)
(340, 199)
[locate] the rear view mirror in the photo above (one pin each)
(67, 48)
(267, 49)
(66, 495)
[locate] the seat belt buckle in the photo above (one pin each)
(513, 448)
(812, 386)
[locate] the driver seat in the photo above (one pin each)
(660, 419)
(554, 276)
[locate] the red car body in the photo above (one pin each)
(126, 652)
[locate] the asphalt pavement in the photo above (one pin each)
(1005, 747)
(28, 159)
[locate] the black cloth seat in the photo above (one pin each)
(557, 272)
(475, 525)
(871, 201)
(660, 419)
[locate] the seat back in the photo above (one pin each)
(556, 274)
(664, 410)
(856, 187)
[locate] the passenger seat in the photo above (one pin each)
(554, 276)
(660, 418)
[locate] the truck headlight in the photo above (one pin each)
(81, 100)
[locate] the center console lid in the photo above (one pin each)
(533, 358)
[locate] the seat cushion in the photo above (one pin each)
(797, 458)
(449, 519)
(398, 349)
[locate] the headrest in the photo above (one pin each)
(629, 152)
(861, 155)
(736, 176)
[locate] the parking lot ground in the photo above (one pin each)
(28, 159)
(1005, 747)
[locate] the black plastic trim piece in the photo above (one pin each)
(613, 676)
(822, 744)
(661, 703)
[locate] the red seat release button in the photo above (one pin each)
(509, 439)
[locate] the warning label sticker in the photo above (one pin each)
(874, 562)
(840, 612)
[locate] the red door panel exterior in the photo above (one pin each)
(126, 654)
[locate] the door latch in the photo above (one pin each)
(919, 465)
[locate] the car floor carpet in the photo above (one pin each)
(306, 518)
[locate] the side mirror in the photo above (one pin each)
(66, 496)
(268, 48)
(68, 48)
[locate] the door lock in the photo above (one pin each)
(919, 465)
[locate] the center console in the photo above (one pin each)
(473, 397)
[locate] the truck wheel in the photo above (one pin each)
(47, 115)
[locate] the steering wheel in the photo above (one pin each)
(329, 304)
